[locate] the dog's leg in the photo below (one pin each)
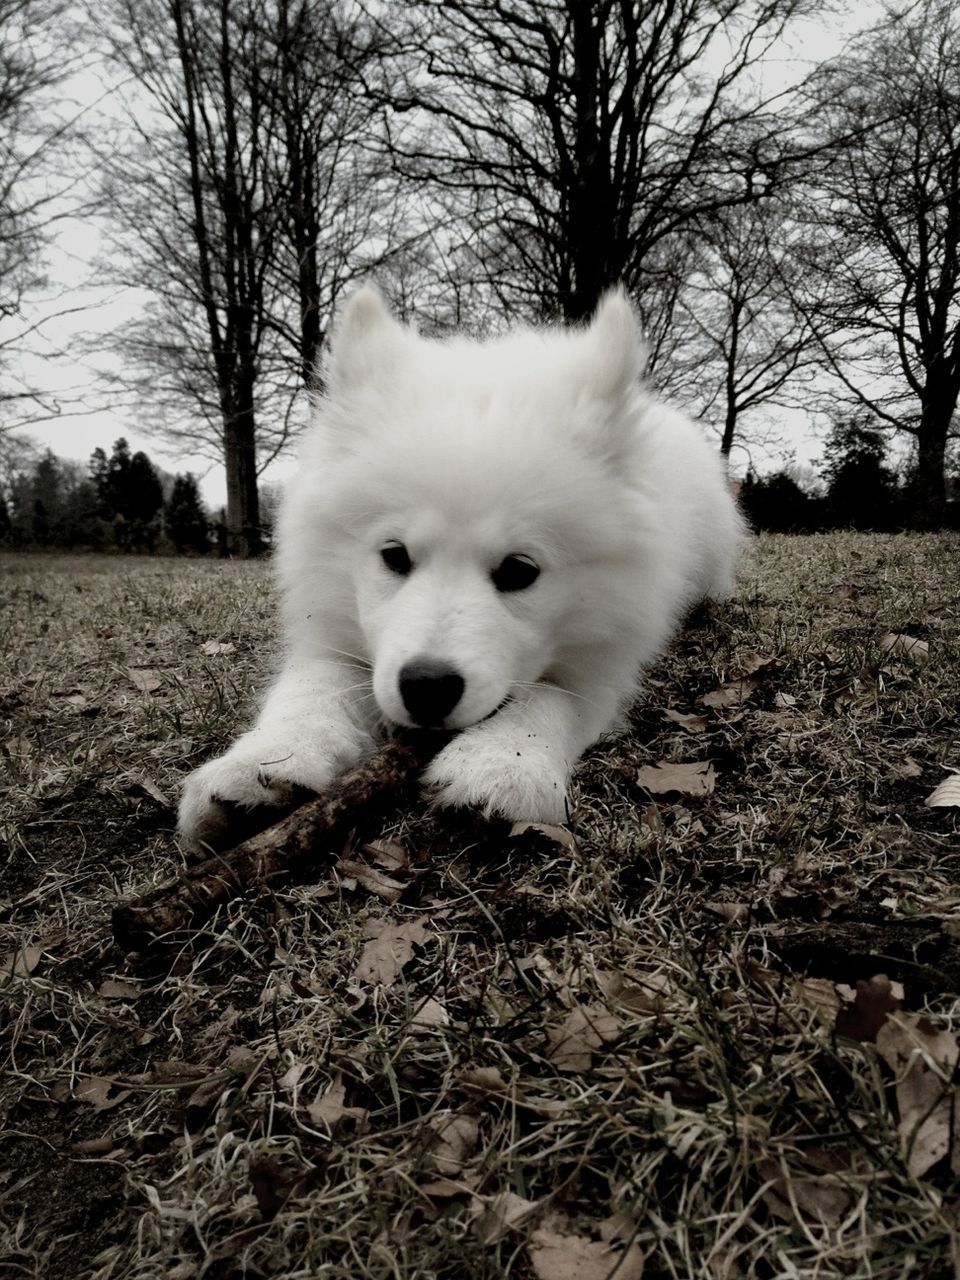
(518, 763)
(314, 724)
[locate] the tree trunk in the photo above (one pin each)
(931, 485)
(589, 210)
(240, 456)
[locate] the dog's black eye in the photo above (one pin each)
(397, 558)
(515, 573)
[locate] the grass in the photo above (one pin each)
(619, 1043)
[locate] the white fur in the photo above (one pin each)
(542, 443)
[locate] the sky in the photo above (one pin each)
(80, 303)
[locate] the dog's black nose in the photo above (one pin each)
(430, 690)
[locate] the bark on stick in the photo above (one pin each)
(303, 843)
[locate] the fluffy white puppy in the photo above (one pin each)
(494, 537)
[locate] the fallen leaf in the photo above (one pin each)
(497, 1218)
(214, 647)
(819, 1197)
(447, 1188)
(908, 768)
(373, 881)
(114, 989)
(784, 701)
(847, 591)
(484, 1080)
(146, 679)
(453, 1140)
(292, 1076)
(570, 1046)
(690, 779)
(330, 1112)
(898, 645)
(429, 1018)
(732, 912)
(567, 1257)
(147, 784)
(872, 1002)
(754, 662)
(728, 695)
(96, 1091)
(638, 993)
(389, 948)
(23, 961)
(821, 995)
(947, 795)
(923, 1059)
(388, 854)
(692, 723)
(556, 835)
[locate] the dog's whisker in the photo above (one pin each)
(549, 684)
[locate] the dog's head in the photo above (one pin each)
(482, 488)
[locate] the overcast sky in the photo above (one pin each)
(62, 359)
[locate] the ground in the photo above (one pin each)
(456, 1052)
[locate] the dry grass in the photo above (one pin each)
(618, 1044)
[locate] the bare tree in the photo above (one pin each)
(36, 128)
(747, 346)
(882, 269)
(573, 139)
(245, 205)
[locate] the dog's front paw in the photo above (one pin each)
(226, 798)
(521, 780)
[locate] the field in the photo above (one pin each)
(661, 1048)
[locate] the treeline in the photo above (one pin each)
(856, 488)
(120, 502)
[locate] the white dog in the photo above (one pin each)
(494, 537)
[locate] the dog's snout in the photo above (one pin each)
(430, 690)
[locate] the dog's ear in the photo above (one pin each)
(617, 354)
(366, 341)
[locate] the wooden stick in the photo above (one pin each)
(305, 841)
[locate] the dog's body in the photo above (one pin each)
(491, 536)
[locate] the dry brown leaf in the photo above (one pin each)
(96, 1091)
(822, 996)
(784, 701)
(429, 1018)
(872, 1002)
(146, 679)
(819, 1197)
(567, 1257)
(556, 835)
(453, 1140)
(570, 1046)
(448, 1188)
(732, 912)
(947, 795)
(496, 1219)
(214, 647)
(330, 1113)
(907, 768)
(23, 961)
(692, 723)
(896, 644)
(388, 854)
(847, 591)
(389, 948)
(484, 1080)
(923, 1059)
(373, 881)
(690, 779)
(751, 663)
(729, 695)
(640, 993)
(114, 989)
